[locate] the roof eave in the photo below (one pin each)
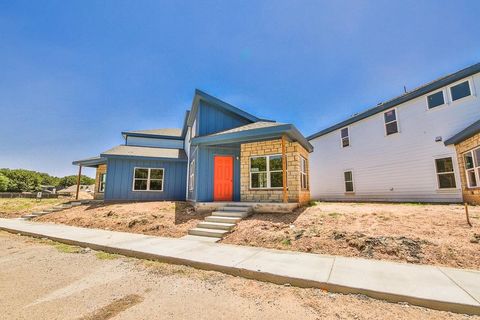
(147, 135)
(91, 162)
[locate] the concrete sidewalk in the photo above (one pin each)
(439, 288)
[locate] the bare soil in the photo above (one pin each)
(41, 280)
(16, 207)
(414, 233)
(160, 218)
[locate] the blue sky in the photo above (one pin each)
(74, 74)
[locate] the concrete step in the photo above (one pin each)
(76, 203)
(239, 204)
(243, 209)
(222, 219)
(237, 214)
(29, 216)
(39, 213)
(216, 225)
(214, 233)
(51, 210)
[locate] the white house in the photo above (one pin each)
(396, 151)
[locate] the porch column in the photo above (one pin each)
(284, 169)
(78, 181)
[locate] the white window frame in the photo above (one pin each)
(347, 137)
(396, 120)
(345, 181)
(148, 179)
(470, 85)
(102, 182)
(304, 164)
(439, 173)
(445, 99)
(191, 180)
(475, 169)
(268, 172)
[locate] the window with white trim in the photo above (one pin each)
(303, 173)
(472, 168)
(445, 173)
(102, 179)
(391, 123)
(460, 90)
(148, 179)
(435, 100)
(266, 172)
(348, 177)
(192, 175)
(345, 137)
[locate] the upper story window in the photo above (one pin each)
(266, 172)
(348, 177)
(391, 123)
(345, 136)
(472, 167)
(460, 90)
(445, 173)
(303, 173)
(435, 100)
(148, 179)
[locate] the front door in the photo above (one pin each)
(223, 178)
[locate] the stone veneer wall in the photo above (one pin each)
(470, 195)
(293, 152)
(100, 169)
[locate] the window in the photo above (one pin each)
(303, 173)
(192, 175)
(344, 135)
(348, 176)
(472, 168)
(445, 173)
(148, 179)
(391, 125)
(266, 172)
(102, 178)
(460, 90)
(435, 100)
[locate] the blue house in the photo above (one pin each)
(221, 153)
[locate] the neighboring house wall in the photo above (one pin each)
(101, 169)
(470, 195)
(120, 179)
(294, 152)
(211, 119)
(398, 167)
(155, 142)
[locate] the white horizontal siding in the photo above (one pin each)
(398, 167)
(154, 142)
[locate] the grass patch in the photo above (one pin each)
(334, 214)
(286, 242)
(106, 256)
(9, 206)
(312, 203)
(65, 248)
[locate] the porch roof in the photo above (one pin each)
(466, 133)
(256, 131)
(92, 162)
(145, 152)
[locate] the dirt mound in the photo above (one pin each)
(402, 247)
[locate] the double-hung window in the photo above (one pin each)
(391, 123)
(445, 173)
(435, 100)
(266, 172)
(102, 179)
(460, 90)
(348, 177)
(148, 179)
(192, 175)
(345, 136)
(303, 173)
(472, 167)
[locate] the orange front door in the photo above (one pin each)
(223, 178)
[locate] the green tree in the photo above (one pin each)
(68, 181)
(4, 183)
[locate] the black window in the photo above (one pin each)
(460, 91)
(391, 123)
(348, 176)
(445, 173)
(435, 100)
(345, 137)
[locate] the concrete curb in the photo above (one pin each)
(243, 269)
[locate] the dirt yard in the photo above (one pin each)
(41, 279)
(160, 218)
(16, 207)
(414, 233)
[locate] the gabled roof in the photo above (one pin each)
(202, 96)
(168, 133)
(432, 86)
(260, 130)
(145, 152)
(463, 135)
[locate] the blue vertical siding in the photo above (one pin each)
(204, 169)
(120, 180)
(211, 119)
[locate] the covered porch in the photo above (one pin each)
(100, 164)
